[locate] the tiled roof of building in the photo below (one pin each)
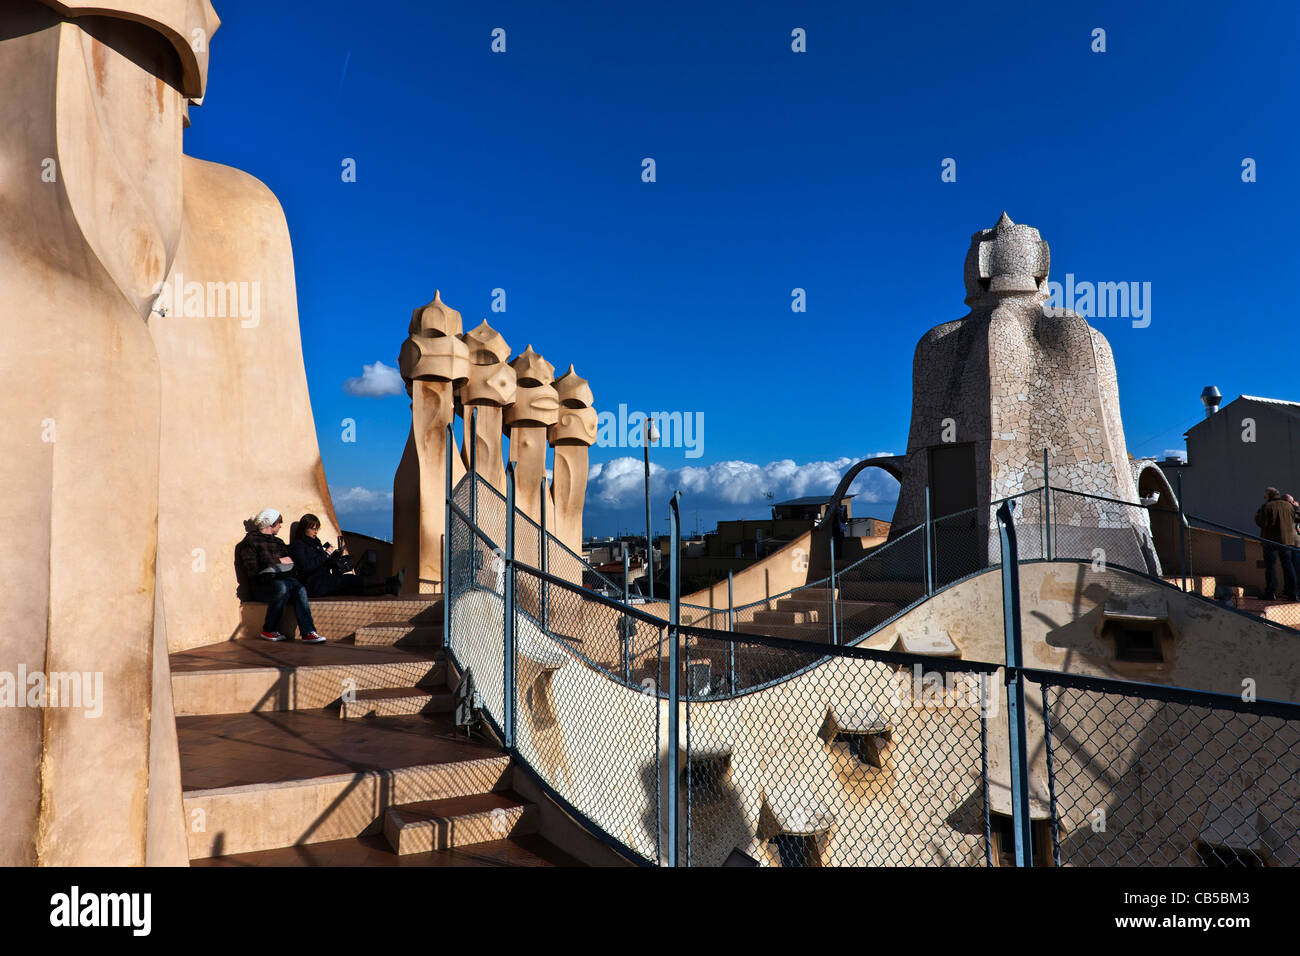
(1270, 401)
(809, 500)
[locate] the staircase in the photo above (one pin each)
(806, 614)
(1286, 613)
(343, 753)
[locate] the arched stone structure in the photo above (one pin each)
(891, 465)
(1162, 513)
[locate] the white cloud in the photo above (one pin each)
(375, 381)
(620, 482)
(358, 500)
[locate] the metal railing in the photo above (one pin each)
(679, 744)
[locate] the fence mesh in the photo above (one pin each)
(1140, 781)
(1105, 531)
(595, 741)
(852, 762)
(796, 750)
(475, 588)
(880, 585)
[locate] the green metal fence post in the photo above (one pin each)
(627, 621)
(835, 633)
(731, 628)
(542, 549)
(1015, 688)
(929, 546)
(446, 548)
(473, 466)
(1047, 508)
(508, 720)
(674, 678)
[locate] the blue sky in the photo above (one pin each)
(775, 170)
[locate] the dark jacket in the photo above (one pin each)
(315, 567)
(254, 553)
(1277, 521)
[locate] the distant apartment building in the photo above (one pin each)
(1234, 454)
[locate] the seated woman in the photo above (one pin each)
(316, 563)
(264, 572)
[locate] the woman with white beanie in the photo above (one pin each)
(265, 573)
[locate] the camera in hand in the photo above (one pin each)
(341, 560)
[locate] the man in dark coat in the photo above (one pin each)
(1277, 519)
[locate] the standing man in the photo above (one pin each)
(1277, 519)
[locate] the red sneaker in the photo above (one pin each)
(272, 636)
(313, 638)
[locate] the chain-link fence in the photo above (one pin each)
(1104, 531)
(558, 559)
(476, 609)
(594, 741)
(880, 585)
(1158, 776)
(849, 757)
(803, 612)
(793, 751)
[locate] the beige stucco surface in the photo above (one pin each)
(259, 448)
(135, 442)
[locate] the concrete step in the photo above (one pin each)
(396, 701)
(1286, 613)
(1204, 586)
(818, 633)
(788, 615)
(255, 676)
(255, 782)
(459, 821)
(817, 604)
(400, 635)
(816, 595)
(881, 590)
(339, 618)
(868, 612)
(530, 850)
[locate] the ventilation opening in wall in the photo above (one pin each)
(1226, 857)
(797, 849)
(704, 777)
(868, 748)
(1004, 840)
(1137, 642)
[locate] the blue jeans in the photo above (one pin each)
(1285, 557)
(277, 594)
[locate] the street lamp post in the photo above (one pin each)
(651, 434)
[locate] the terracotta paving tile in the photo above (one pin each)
(526, 850)
(228, 750)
